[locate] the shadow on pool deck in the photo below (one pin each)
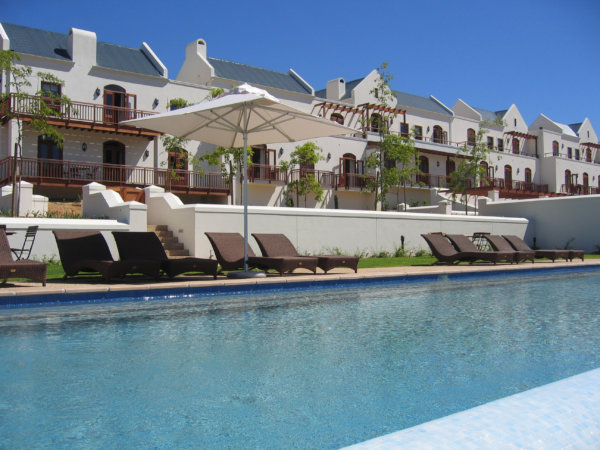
(79, 285)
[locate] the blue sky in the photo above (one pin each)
(542, 55)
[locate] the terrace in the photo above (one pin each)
(61, 173)
(80, 115)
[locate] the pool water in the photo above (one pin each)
(290, 370)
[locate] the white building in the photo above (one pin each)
(109, 83)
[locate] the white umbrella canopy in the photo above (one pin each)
(246, 116)
(247, 110)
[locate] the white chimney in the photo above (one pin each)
(197, 47)
(336, 89)
(82, 47)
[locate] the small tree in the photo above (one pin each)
(392, 149)
(304, 156)
(231, 163)
(469, 169)
(44, 106)
(399, 150)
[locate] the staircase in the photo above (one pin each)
(171, 244)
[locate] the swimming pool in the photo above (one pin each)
(284, 370)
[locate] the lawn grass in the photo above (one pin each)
(55, 270)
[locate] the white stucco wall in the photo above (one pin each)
(554, 222)
(352, 232)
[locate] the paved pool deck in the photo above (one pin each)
(144, 284)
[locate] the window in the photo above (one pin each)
(438, 134)
(569, 153)
(515, 122)
(500, 143)
(516, 146)
(568, 178)
(418, 132)
(51, 93)
(577, 156)
(555, 150)
(336, 117)
(48, 148)
(586, 180)
(450, 167)
(490, 142)
(470, 136)
(376, 123)
(508, 177)
(404, 129)
(178, 163)
(588, 155)
(528, 177)
(118, 105)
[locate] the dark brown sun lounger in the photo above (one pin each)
(87, 251)
(147, 245)
(229, 249)
(519, 244)
(444, 251)
(24, 268)
(500, 244)
(464, 244)
(277, 244)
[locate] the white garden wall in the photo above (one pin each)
(554, 222)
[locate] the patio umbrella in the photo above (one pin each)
(246, 116)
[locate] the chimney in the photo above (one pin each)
(336, 89)
(82, 47)
(197, 47)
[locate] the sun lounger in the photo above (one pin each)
(24, 268)
(277, 244)
(147, 245)
(519, 244)
(464, 244)
(87, 251)
(229, 250)
(500, 244)
(444, 251)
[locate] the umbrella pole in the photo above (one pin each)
(245, 201)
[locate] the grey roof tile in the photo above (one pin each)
(50, 44)
(575, 127)
(490, 116)
(32, 41)
(124, 58)
(257, 75)
(406, 100)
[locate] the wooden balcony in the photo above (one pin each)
(430, 180)
(86, 116)
(266, 173)
(579, 189)
(75, 174)
(512, 189)
(325, 178)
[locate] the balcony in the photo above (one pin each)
(325, 178)
(87, 116)
(74, 174)
(430, 180)
(266, 173)
(579, 189)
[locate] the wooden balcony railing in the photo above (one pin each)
(353, 180)
(50, 172)
(431, 180)
(76, 114)
(579, 189)
(264, 172)
(324, 178)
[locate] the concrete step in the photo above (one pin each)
(169, 242)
